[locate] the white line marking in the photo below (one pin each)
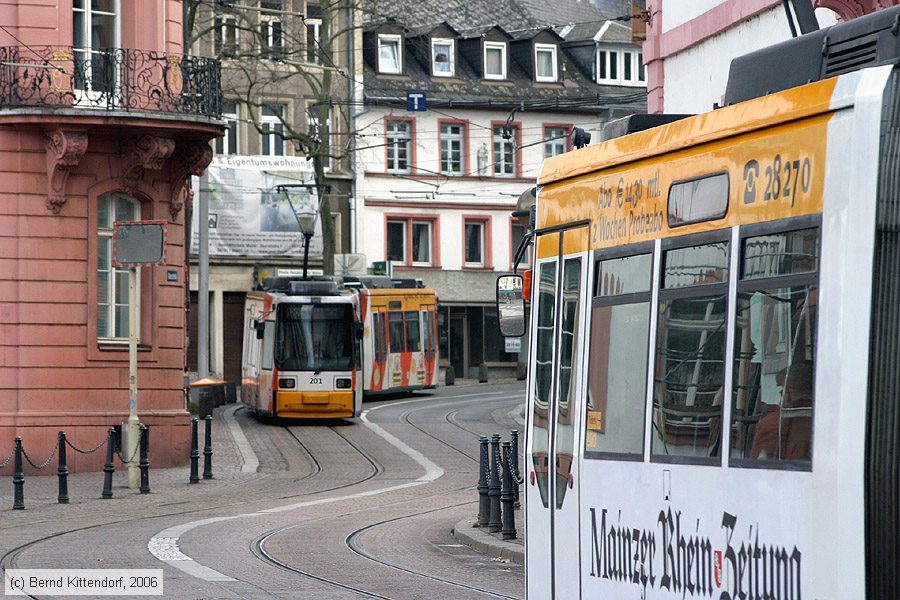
(251, 463)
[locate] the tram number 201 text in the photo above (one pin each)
(781, 178)
(315, 380)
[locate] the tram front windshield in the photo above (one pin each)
(314, 337)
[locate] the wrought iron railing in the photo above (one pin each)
(116, 79)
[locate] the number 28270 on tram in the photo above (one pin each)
(713, 407)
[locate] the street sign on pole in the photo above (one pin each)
(135, 244)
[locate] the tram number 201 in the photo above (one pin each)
(315, 381)
(781, 178)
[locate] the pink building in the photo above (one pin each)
(690, 43)
(102, 118)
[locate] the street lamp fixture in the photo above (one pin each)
(306, 218)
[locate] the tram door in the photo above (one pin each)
(553, 570)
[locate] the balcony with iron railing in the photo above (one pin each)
(117, 80)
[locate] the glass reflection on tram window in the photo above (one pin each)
(775, 340)
(569, 326)
(543, 377)
(689, 369)
(617, 371)
(697, 265)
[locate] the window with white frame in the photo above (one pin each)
(390, 57)
(399, 145)
(409, 241)
(545, 65)
(505, 150)
(313, 41)
(226, 35)
(494, 60)
(95, 28)
(322, 132)
(228, 144)
(272, 126)
(272, 27)
(452, 148)
(474, 243)
(556, 141)
(620, 66)
(442, 57)
(112, 282)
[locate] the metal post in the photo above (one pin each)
(195, 453)
(207, 450)
(109, 467)
(18, 478)
(62, 471)
(131, 437)
(514, 439)
(203, 288)
(145, 460)
(306, 239)
(495, 523)
(507, 498)
(484, 502)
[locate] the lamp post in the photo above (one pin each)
(306, 219)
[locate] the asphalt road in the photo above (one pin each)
(345, 509)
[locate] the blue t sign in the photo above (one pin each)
(415, 101)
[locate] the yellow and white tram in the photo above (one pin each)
(714, 385)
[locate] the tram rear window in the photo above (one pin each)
(698, 199)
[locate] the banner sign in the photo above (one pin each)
(249, 215)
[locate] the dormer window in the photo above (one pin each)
(545, 62)
(619, 66)
(442, 53)
(390, 59)
(495, 60)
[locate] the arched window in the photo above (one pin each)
(112, 282)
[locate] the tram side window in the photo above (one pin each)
(268, 354)
(689, 366)
(617, 371)
(378, 336)
(413, 339)
(395, 320)
(698, 199)
(774, 354)
(543, 378)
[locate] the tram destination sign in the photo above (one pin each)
(137, 243)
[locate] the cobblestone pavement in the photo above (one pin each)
(327, 513)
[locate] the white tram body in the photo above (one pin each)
(713, 406)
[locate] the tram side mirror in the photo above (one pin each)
(511, 305)
(260, 327)
(360, 330)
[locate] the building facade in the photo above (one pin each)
(458, 118)
(103, 119)
(682, 35)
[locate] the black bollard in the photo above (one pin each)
(495, 523)
(145, 460)
(207, 450)
(110, 466)
(507, 497)
(195, 453)
(484, 501)
(18, 478)
(514, 450)
(62, 471)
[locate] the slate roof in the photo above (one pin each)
(521, 19)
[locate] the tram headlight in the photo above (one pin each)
(342, 383)
(287, 383)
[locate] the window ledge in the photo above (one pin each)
(115, 346)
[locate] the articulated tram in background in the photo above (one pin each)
(313, 349)
(714, 377)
